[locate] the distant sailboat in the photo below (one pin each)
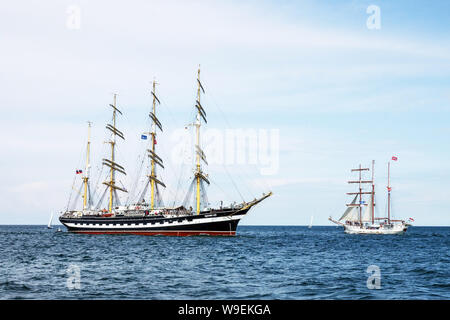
(359, 220)
(49, 226)
(311, 222)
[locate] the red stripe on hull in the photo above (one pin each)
(164, 233)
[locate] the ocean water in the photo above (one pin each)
(259, 263)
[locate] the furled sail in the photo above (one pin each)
(351, 214)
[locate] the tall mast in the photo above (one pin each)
(199, 176)
(113, 143)
(86, 176)
(155, 159)
(360, 193)
(198, 124)
(389, 193)
(373, 192)
(111, 184)
(360, 196)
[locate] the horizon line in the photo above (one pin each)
(243, 225)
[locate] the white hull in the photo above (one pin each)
(395, 229)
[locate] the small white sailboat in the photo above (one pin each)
(49, 226)
(311, 222)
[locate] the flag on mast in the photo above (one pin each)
(394, 158)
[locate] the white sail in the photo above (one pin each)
(351, 214)
(367, 213)
(311, 222)
(50, 221)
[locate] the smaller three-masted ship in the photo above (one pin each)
(359, 218)
(147, 216)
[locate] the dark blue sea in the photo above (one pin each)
(259, 263)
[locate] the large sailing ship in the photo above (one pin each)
(149, 217)
(359, 218)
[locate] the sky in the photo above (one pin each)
(318, 83)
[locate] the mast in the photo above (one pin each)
(373, 192)
(111, 184)
(154, 158)
(86, 177)
(199, 176)
(389, 193)
(360, 193)
(360, 196)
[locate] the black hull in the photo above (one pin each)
(223, 222)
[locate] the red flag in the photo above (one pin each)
(389, 189)
(394, 158)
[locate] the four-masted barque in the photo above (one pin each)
(359, 218)
(149, 217)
